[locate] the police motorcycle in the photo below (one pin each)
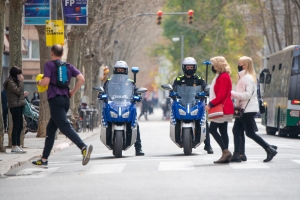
(119, 115)
(188, 113)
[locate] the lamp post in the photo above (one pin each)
(176, 39)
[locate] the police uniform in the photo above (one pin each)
(194, 80)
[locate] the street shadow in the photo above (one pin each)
(212, 165)
(175, 155)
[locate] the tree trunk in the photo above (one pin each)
(2, 11)
(44, 114)
(275, 25)
(15, 47)
(264, 27)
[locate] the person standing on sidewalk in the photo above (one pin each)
(220, 90)
(59, 103)
(14, 86)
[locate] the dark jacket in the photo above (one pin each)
(15, 92)
(194, 80)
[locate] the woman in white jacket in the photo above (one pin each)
(246, 98)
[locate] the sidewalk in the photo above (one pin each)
(34, 147)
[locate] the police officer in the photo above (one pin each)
(189, 78)
(121, 67)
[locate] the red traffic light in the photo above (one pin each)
(191, 16)
(159, 13)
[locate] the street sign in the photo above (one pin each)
(54, 32)
(75, 12)
(36, 12)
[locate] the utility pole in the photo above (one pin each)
(54, 10)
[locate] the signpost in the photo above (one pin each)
(36, 12)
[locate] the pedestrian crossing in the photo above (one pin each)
(99, 167)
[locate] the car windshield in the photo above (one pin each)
(120, 89)
(187, 94)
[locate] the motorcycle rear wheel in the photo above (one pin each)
(118, 147)
(187, 141)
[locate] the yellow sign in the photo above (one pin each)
(54, 32)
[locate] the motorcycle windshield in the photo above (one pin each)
(187, 94)
(120, 89)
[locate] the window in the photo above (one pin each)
(280, 66)
(273, 68)
(33, 52)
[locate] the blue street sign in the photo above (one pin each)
(75, 12)
(36, 12)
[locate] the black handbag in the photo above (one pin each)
(262, 108)
(239, 112)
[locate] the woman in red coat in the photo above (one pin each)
(220, 89)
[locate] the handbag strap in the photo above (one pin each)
(248, 101)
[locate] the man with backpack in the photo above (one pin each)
(57, 76)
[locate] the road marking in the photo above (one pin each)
(170, 166)
(34, 173)
(106, 169)
(296, 161)
(249, 164)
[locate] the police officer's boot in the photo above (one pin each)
(209, 149)
(139, 152)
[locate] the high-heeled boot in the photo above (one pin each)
(270, 154)
(236, 157)
(226, 156)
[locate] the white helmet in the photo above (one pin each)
(189, 61)
(121, 64)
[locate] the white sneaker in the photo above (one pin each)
(22, 149)
(17, 150)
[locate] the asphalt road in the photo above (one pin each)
(163, 173)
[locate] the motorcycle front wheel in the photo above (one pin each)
(118, 147)
(187, 141)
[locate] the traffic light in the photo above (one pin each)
(159, 17)
(191, 16)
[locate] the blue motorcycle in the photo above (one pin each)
(188, 117)
(119, 116)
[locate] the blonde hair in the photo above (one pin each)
(247, 61)
(220, 64)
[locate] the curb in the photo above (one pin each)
(10, 164)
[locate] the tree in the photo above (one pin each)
(15, 48)
(2, 11)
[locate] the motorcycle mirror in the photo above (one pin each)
(167, 87)
(98, 89)
(141, 90)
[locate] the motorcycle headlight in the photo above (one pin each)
(181, 112)
(125, 115)
(194, 112)
(113, 114)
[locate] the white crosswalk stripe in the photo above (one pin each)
(105, 169)
(250, 164)
(35, 172)
(170, 166)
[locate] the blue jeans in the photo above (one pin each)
(59, 107)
